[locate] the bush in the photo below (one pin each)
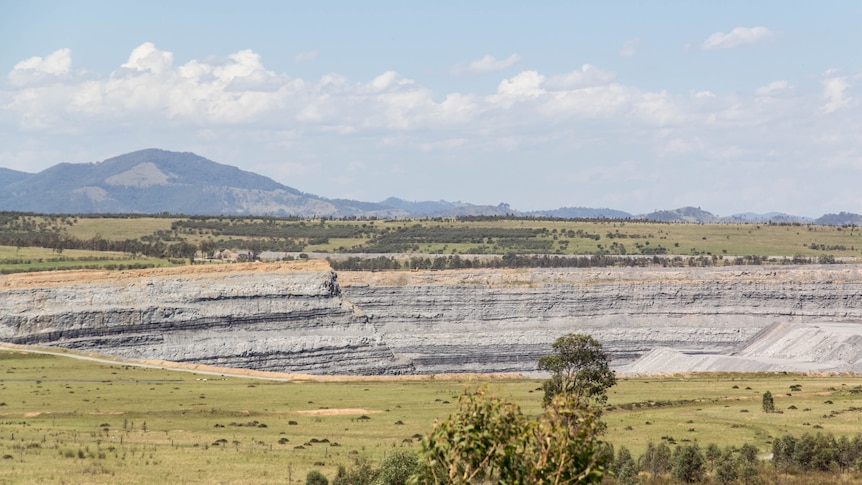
(490, 440)
(768, 402)
(688, 464)
(361, 473)
(397, 468)
(625, 468)
(314, 477)
(656, 459)
(725, 469)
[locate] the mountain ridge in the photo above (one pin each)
(154, 181)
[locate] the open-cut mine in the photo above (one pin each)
(305, 318)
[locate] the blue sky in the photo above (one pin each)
(730, 106)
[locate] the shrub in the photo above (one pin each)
(361, 473)
(768, 402)
(725, 469)
(656, 459)
(490, 439)
(688, 464)
(314, 477)
(397, 468)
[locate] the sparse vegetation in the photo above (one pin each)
(440, 243)
(77, 421)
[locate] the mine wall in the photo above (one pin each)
(305, 318)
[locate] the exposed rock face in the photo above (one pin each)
(504, 320)
(300, 318)
(285, 318)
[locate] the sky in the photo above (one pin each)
(732, 106)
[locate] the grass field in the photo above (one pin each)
(14, 259)
(72, 421)
(447, 236)
(118, 228)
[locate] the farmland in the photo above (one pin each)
(67, 420)
(171, 240)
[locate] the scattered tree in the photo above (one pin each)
(688, 464)
(768, 402)
(625, 468)
(314, 477)
(397, 468)
(656, 459)
(579, 369)
(491, 440)
(725, 469)
(361, 473)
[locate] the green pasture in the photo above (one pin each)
(117, 229)
(727, 409)
(64, 420)
(677, 239)
(14, 259)
(448, 236)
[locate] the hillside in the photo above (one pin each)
(8, 176)
(154, 181)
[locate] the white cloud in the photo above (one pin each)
(305, 56)
(587, 75)
(486, 64)
(657, 108)
(834, 88)
(773, 88)
(737, 37)
(525, 85)
(630, 47)
(387, 80)
(58, 62)
(146, 57)
(236, 109)
(37, 68)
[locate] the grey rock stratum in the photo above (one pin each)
(304, 318)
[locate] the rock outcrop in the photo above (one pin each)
(502, 321)
(289, 318)
(303, 318)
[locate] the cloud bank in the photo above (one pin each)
(485, 65)
(582, 135)
(737, 37)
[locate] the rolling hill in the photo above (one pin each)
(154, 181)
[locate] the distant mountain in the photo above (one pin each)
(840, 219)
(777, 217)
(684, 214)
(9, 176)
(444, 208)
(154, 181)
(582, 213)
(426, 208)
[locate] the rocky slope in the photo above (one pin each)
(504, 320)
(304, 318)
(275, 317)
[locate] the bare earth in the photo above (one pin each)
(336, 412)
(59, 278)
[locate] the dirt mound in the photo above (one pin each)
(781, 347)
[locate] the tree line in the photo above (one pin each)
(511, 260)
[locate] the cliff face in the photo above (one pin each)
(284, 318)
(302, 318)
(504, 320)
